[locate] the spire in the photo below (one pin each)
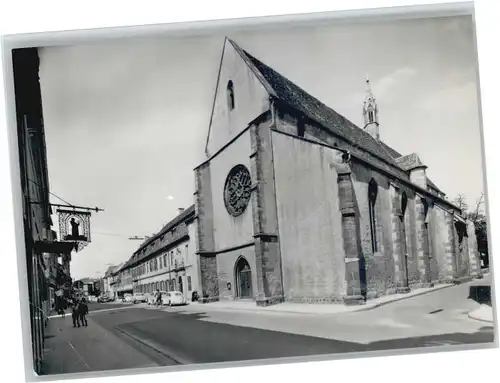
(370, 112)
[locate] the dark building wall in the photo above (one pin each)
(34, 183)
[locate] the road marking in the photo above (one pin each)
(79, 356)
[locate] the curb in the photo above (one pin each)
(156, 347)
(365, 307)
(472, 316)
(377, 305)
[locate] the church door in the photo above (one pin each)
(244, 279)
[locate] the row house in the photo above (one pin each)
(123, 281)
(167, 261)
(34, 208)
(115, 281)
(107, 281)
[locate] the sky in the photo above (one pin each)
(126, 121)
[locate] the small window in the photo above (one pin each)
(372, 199)
(370, 116)
(230, 95)
(301, 128)
(189, 283)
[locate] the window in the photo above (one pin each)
(370, 116)
(301, 127)
(189, 282)
(230, 95)
(161, 263)
(404, 203)
(165, 260)
(372, 199)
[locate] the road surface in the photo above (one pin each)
(137, 336)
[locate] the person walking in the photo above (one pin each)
(75, 313)
(83, 310)
(158, 298)
(60, 306)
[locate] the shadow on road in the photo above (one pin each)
(481, 294)
(190, 338)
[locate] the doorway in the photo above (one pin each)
(180, 285)
(243, 279)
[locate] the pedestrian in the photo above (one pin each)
(75, 313)
(158, 298)
(60, 306)
(83, 310)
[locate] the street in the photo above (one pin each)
(137, 336)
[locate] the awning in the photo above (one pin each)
(54, 247)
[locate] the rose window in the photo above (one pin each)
(237, 190)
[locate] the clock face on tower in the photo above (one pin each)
(237, 190)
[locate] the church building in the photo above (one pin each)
(295, 203)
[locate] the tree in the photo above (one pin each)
(478, 217)
(459, 201)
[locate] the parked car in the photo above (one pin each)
(174, 298)
(149, 298)
(127, 298)
(104, 299)
(138, 298)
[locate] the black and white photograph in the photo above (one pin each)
(251, 194)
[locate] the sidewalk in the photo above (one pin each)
(93, 348)
(484, 314)
(306, 308)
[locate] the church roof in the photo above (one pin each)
(284, 89)
(299, 99)
(409, 162)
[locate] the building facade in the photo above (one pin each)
(34, 184)
(122, 281)
(296, 203)
(107, 281)
(114, 281)
(167, 261)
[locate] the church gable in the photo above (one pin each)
(240, 98)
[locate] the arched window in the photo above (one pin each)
(230, 95)
(370, 116)
(404, 202)
(372, 199)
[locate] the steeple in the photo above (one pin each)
(370, 112)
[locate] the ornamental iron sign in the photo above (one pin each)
(74, 226)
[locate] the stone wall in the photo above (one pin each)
(250, 100)
(226, 271)
(230, 231)
(379, 266)
(439, 240)
(474, 258)
(310, 230)
(205, 233)
(265, 221)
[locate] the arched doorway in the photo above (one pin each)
(243, 279)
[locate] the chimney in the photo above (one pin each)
(180, 210)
